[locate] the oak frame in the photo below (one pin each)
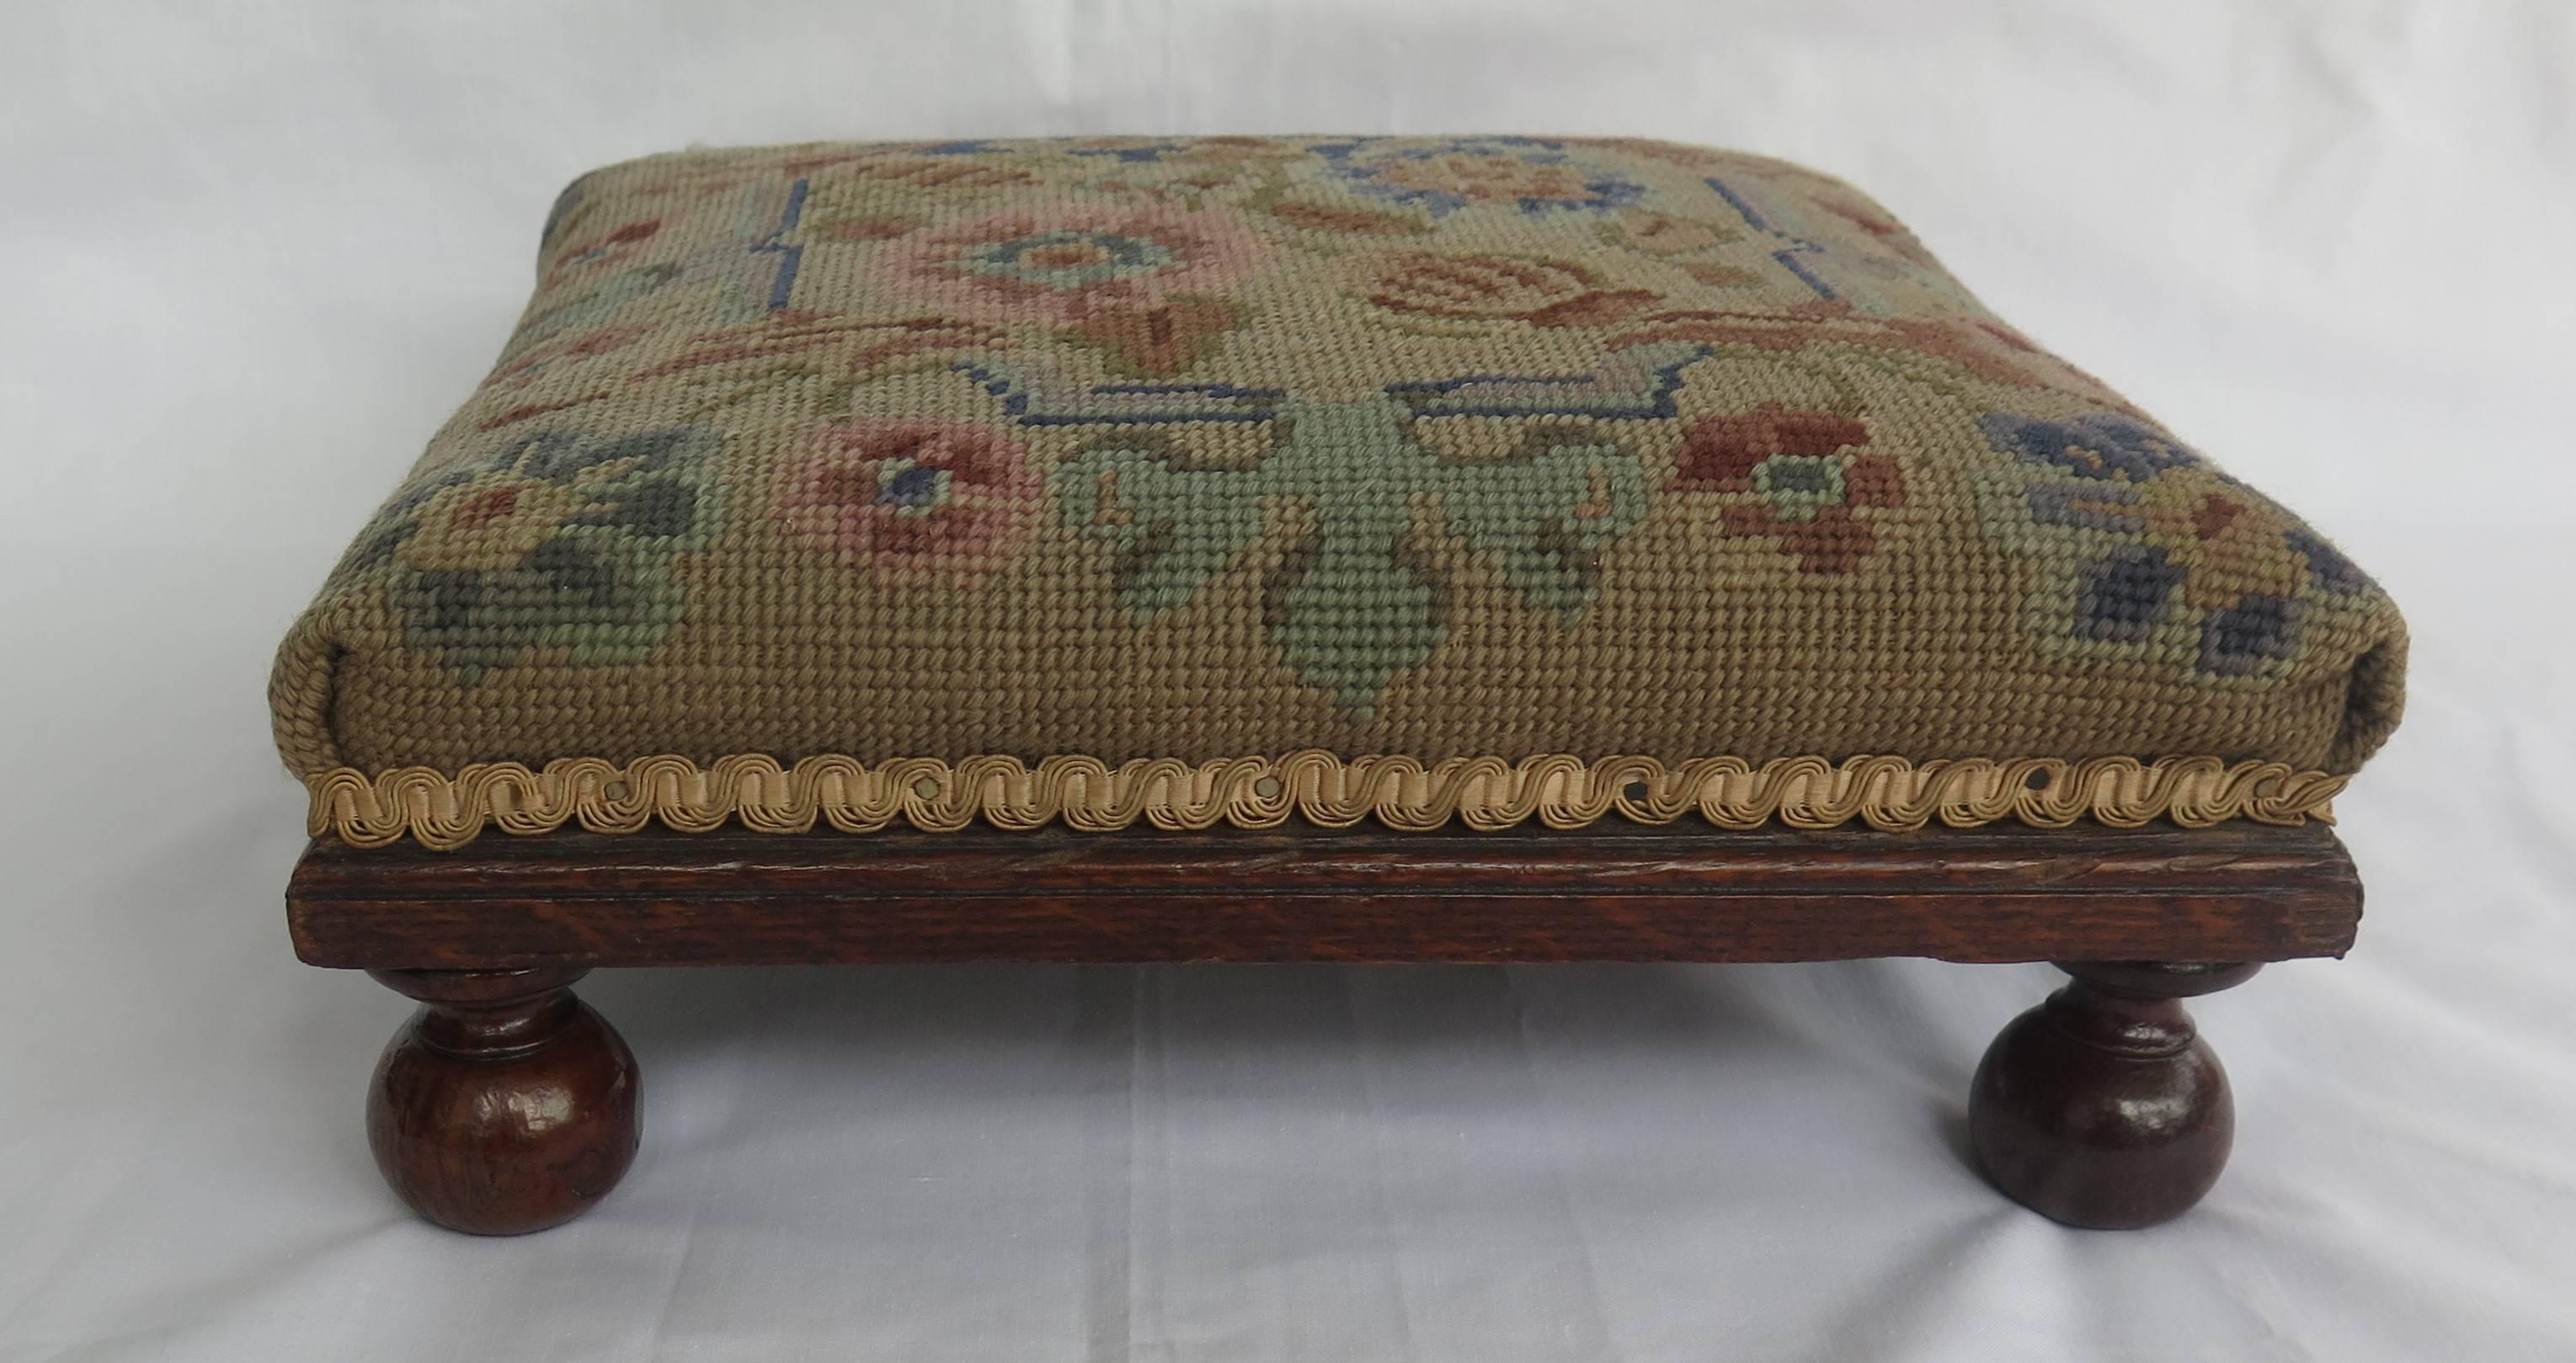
(490, 938)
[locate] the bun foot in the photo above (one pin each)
(506, 1105)
(2102, 1107)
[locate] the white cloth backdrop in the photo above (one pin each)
(250, 253)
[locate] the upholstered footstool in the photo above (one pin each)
(1490, 549)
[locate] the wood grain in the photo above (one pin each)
(2102, 1107)
(506, 1105)
(2240, 892)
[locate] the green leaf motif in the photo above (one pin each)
(1355, 603)
(603, 519)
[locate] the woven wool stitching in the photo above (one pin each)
(1170, 449)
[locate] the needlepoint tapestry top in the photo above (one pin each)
(1197, 448)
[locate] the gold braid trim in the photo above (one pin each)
(1258, 792)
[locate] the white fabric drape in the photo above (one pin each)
(250, 252)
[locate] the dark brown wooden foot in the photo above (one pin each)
(506, 1105)
(2102, 1107)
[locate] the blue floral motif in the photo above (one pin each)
(2146, 548)
(2260, 629)
(2099, 446)
(1441, 177)
(2125, 593)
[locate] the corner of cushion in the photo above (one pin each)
(300, 691)
(577, 193)
(2374, 696)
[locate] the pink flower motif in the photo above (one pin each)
(1065, 263)
(907, 499)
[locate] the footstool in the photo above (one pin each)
(1476, 549)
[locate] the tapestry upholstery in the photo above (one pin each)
(1246, 477)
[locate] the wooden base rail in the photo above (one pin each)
(507, 1105)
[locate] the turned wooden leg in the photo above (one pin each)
(506, 1105)
(2102, 1107)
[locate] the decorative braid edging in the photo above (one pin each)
(1259, 792)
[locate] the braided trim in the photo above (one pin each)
(1258, 792)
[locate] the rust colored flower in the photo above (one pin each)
(910, 499)
(1798, 477)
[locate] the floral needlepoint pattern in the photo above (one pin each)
(1354, 604)
(1357, 602)
(1797, 477)
(2103, 448)
(564, 539)
(2170, 555)
(1808, 223)
(1156, 447)
(1662, 234)
(1442, 176)
(735, 254)
(1162, 340)
(908, 499)
(1497, 288)
(1073, 262)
